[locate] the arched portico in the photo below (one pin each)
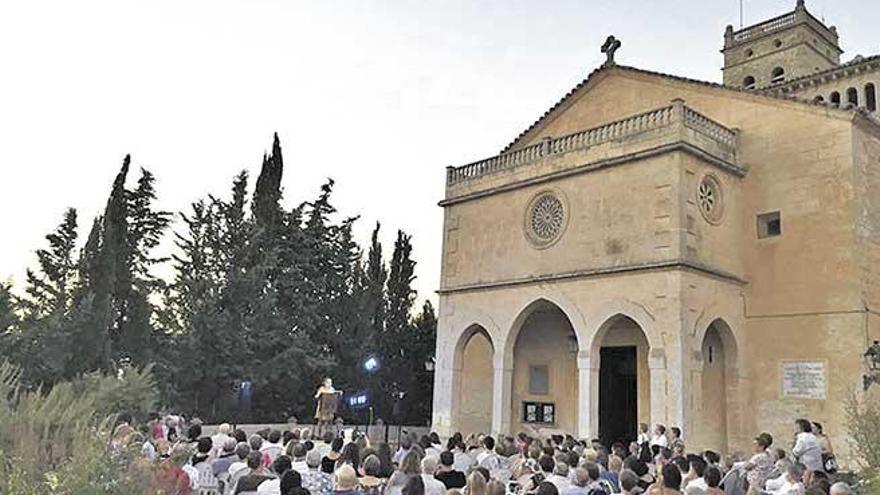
(472, 398)
(715, 387)
(536, 374)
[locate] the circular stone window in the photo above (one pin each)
(546, 218)
(710, 199)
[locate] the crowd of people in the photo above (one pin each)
(298, 462)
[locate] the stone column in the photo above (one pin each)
(659, 396)
(447, 400)
(502, 387)
(588, 395)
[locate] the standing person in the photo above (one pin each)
(326, 399)
(828, 460)
(676, 443)
(245, 399)
(644, 436)
(807, 449)
(659, 437)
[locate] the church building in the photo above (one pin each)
(658, 249)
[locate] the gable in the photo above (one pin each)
(613, 93)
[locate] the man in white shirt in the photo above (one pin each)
(241, 450)
(807, 450)
(433, 486)
(697, 484)
(559, 478)
(273, 486)
(659, 437)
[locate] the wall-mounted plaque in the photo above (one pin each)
(803, 379)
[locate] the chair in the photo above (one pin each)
(208, 484)
(233, 480)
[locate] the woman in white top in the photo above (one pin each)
(807, 449)
(659, 437)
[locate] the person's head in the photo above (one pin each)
(256, 442)
(795, 472)
(840, 488)
(351, 454)
(581, 477)
(671, 477)
(346, 478)
(414, 486)
(291, 480)
(281, 464)
(229, 445)
(299, 451)
(628, 480)
(239, 435)
(659, 429)
(406, 442)
(803, 426)
(328, 437)
(682, 464)
(485, 472)
(817, 428)
(194, 432)
(224, 429)
(242, 449)
(429, 465)
(697, 466)
(328, 382)
(712, 477)
(274, 436)
(447, 459)
(495, 487)
(546, 488)
(763, 442)
(204, 445)
(336, 445)
(615, 463)
(411, 463)
(712, 457)
(489, 443)
(124, 419)
(255, 460)
(676, 432)
(372, 466)
(561, 469)
(476, 483)
(643, 427)
(435, 438)
(546, 463)
(592, 470)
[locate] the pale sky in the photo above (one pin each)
(378, 95)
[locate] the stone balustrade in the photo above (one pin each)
(674, 114)
(765, 27)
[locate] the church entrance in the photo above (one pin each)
(624, 384)
(618, 395)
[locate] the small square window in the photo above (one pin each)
(539, 380)
(769, 225)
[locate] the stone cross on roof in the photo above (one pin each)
(611, 45)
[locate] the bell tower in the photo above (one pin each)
(792, 45)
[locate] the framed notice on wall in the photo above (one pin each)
(803, 379)
(539, 412)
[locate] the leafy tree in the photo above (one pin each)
(51, 288)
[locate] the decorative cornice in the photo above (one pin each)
(677, 264)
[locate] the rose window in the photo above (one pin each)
(545, 219)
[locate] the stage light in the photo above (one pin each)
(371, 364)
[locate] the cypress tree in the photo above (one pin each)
(51, 288)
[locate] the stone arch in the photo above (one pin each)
(473, 380)
(541, 347)
(716, 385)
(560, 302)
(648, 367)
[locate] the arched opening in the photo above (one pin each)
(545, 374)
(777, 76)
(749, 82)
(852, 96)
(477, 377)
(819, 99)
(717, 387)
(871, 97)
(835, 98)
(624, 380)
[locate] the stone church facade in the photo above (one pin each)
(662, 250)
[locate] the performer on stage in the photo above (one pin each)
(327, 401)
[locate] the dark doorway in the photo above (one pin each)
(618, 395)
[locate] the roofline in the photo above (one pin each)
(870, 60)
(759, 94)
